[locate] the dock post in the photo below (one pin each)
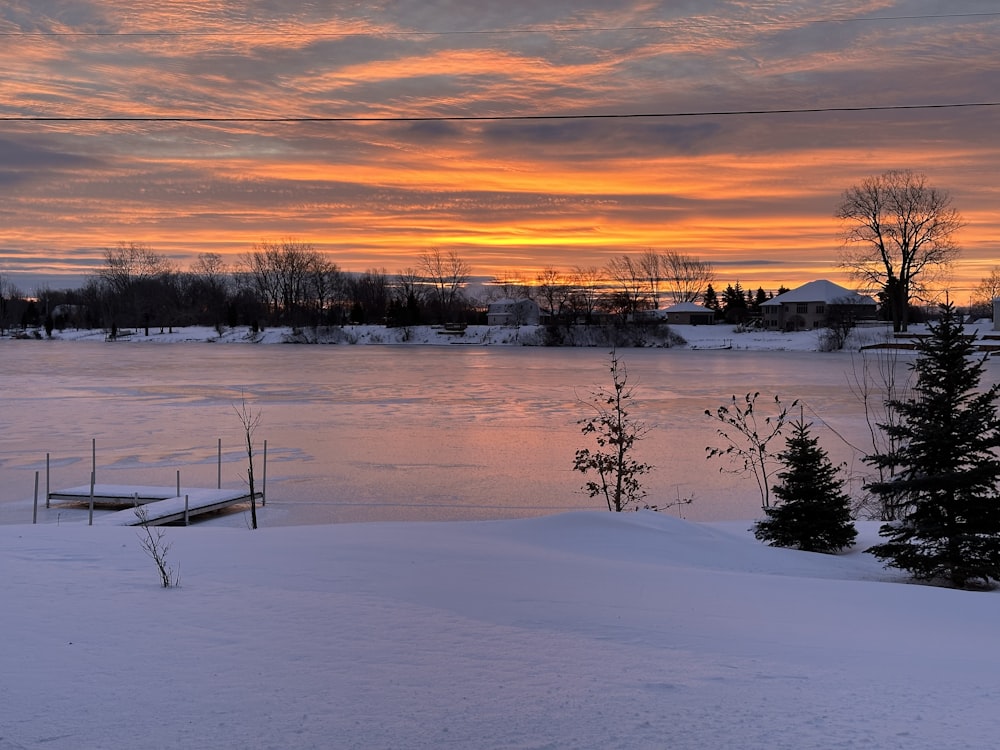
(187, 521)
(90, 520)
(34, 512)
(263, 483)
(218, 484)
(93, 460)
(178, 483)
(48, 487)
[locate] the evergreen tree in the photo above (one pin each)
(945, 485)
(759, 298)
(734, 303)
(813, 512)
(711, 300)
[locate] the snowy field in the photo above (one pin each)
(697, 337)
(575, 630)
(581, 630)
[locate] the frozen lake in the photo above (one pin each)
(359, 433)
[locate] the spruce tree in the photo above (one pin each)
(813, 512)
(947, 471)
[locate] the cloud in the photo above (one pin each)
(26, 156)
(537, 192)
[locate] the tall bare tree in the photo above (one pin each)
(324, 286)
(687, 278)
(585, 290)
(292, 278)
(136, 280)
(209, 286)
(447, 274)
(652, 269)
(629, 281)
(899, 234)
(553, 290)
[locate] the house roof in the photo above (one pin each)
(688, 307)
(820, 290)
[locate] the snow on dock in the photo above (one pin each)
(161, 505)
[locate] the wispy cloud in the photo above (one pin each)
(527, 193)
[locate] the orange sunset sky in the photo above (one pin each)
(753, 193)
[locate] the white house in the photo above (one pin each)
(512, 312)
(810, 306)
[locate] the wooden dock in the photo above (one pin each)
(161, 505)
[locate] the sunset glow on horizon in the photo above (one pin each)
(755, 194)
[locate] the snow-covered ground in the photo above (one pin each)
(702, 337)
(696, 337)
(581, 630)
(578, 630)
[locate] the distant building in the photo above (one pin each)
(689, 314)
(512, 312)
(811, 306)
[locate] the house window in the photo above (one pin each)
(820, 309)
(802, 308)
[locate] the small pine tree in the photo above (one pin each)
(814, 512)
(947, 470)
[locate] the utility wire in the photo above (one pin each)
(520, 30)
(487, 118)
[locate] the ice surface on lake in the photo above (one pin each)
(393, 433)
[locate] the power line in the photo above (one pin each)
(487, 32)
(485, 118)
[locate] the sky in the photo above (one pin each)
(412, 146)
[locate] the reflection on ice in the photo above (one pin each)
(390, 433)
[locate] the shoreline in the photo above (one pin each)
(720, 337)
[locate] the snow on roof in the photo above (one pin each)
(821, 290)
(688, 307)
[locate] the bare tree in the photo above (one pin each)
(876, 383)
(250, 420)
(987, 291)
(408, 297)
(447, 274)
(211, 268)
(687, 278)
(630, 285)
(292, 278)
(554, 291)
(154, 545)
(135, 280)
(747, 438)
(129, 263)
(324, 285)
(899, 233)
(652, 269)
(841, 318)
(370, 295)
(585, 283)
(616, 434)
(209, 286)
(507, 286)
